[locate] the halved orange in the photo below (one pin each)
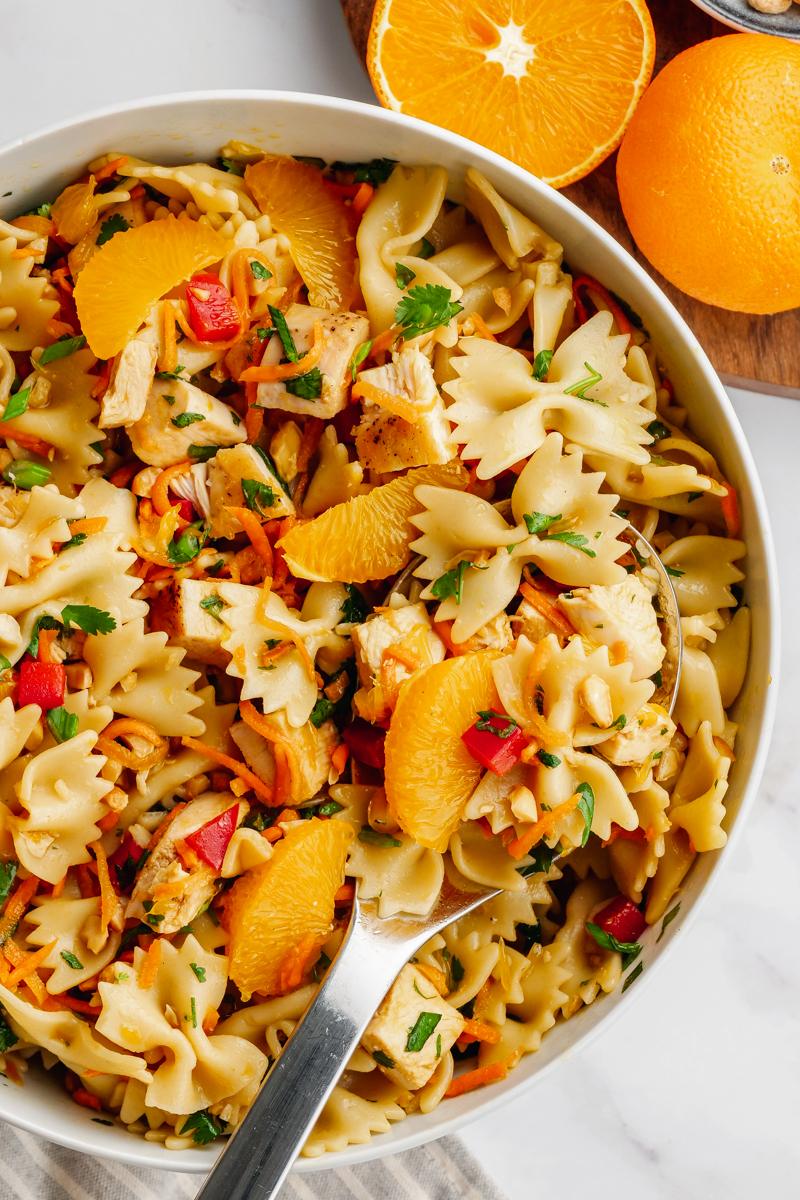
(274, 907)
(118, 285)
(430, 774)
(316, 221)
(550, 84)
(367, 537)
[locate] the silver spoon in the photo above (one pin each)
(261, 1151)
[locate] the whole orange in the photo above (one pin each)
(709, 173)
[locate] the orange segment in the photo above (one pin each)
(367, 537)
(287, 900)
(549, 85)
(315, 219)
(430, 774)
(118, 285)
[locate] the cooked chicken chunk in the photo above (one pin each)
(191, 887)
(410, 626)
(534, 625)
(387, 1034)
(345, 332)
(386, 441)
(178, 414)
(494, 635)
(131, 380)
(649, 732)
(621, 612)
(188, 610)
(226, 471)
(309, 752)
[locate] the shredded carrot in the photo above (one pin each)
(586, 281)
(210, 1021)
(618, 653)
(273, 833)
(88, 525)
(437, 977)
(29, 441)
(127, 727)
(108, 821)
(362, 198)
(730, 511)
(81, 1006)
(225, 760)
(445, 631)
(159, 492)
(169, 359)
(541, 828)
(57, 329)
(482, 999)
(60, 278)
(383, 341)
(46, 639)
(148, 973)
(397, 405)
(86, 1099)
(290, 635)
(542, 605)
(276, 372)
(26, 252)
(164, 826)
(85, 882)
(481, 328)
(630, 835)
(345, 894)
(482, 1075)
(406, 657)
(339, 757)
(124, 474)
(255, 531)
(110, 168)
(17, 904)
(294, 965)
(312, 432)
(31, 962)
(190, 860)
(240, 264)
(58, 888)
(33, 982)
(253, 420)
(108, 897)
(286, 766)
(12, 1072)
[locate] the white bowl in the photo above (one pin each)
(738, 14)
(172, 129)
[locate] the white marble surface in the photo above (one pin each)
(695, 1093)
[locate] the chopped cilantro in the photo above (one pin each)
(354, 607)
(259, 271)
(630, 313)
(322, 710)
(537, 522)
(116, 223)
(320, 967)
(548, 760)
(668, 919)
(607, 941)
(193, 1013)
(203, 453)
(257, 495)
(673, 572)
(77, 540)
(423, 1028)
(586, 808)
(426, 250)
(383, 1060)
(658, 430)
(438, 1045)
(287, 341)
(71, 961)
(213, 606)
(451, 583)
(61, 349)
(202, 1126)
(425, 308)
(62, 724)
(634, 975)
(541, 364)
(186, 418)
(7, 1036)
(572, 539)
(45, 621)
(233, 168)
(403, 275)
(176, 374)
(543, 856)
(359, 356)
(383, 840)
(102, 1121)
(306, 387)
(273, 469)
(485, 724)
(200, 972)
(8, 872)
(87, 618)
(188, 545)
(375, 172)
(329, 808)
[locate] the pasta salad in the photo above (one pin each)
(314, 578)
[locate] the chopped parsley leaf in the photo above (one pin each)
(548, 760)
(71, 961)
(257, 495)
(572, 539)
(202, 1126)
(403, 275)
(668, 919)
(634, 975)
(541, 364)
(607, 941)
(186, 418)
(306, 387)
(425, 308)
(200, 972)
(383, 1060)
(423, 1028)
(369, 836)
(375, 172)
(62, 724)
(537, 522)
(354, 607)
(259, 271)
(213, 606)
(87, 618)
(586, 808)
(116, 223)
(451, 583)
(357, 359)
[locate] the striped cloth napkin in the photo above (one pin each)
(34, 1169)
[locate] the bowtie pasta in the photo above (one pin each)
(313, 578)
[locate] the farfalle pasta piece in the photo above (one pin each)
(349, 1120)
(664, 485)
(697, 797)
(536, 1011)
(513, 236)
(634, 862)
(402, 878)
(590, 967)
(66, 421)
(551, 302)
(99, 498)
(729, 654)
(43, 523)
(198, 1070)
(70, 1039)
(702, 570)
(212, 190)
(74, 925)
(27, 303)
(503, 413)
(335, 480)
(485, 861)
(261, 1023)
(16, 726)
(251, 624)
(60, 793)
(500, 297)
(140, 676)
(398, 217)
(699, 698)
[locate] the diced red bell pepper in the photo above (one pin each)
(185, 507)
(210, 841)
(622, 919)
(86, 1099)
(42, 683)
(213, 315)
(500, 750)
(118, 867)
(366, 743)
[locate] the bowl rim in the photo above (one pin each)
(751, 25)
(492, 1099)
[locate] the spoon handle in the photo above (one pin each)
(260, 1153)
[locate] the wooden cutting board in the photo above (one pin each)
(749, 351)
